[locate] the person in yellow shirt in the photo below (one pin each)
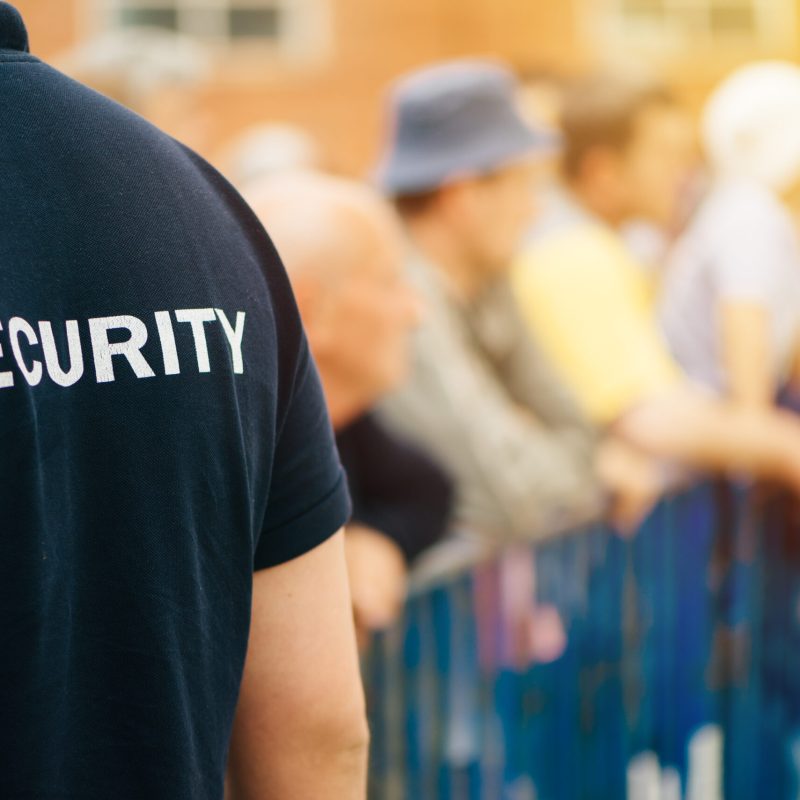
(583, 315)
(627, 155)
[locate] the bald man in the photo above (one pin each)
(344, 256)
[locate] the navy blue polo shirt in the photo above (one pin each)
(162, 435)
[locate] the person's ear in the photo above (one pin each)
(458, 203)
(313, 303)
(600, 166)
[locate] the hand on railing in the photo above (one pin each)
(377, 571)
(635, 480)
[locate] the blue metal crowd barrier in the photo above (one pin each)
(665, 666)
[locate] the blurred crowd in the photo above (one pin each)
(553, 300)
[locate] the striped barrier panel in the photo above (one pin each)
(665, 666)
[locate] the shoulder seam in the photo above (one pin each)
(8, 56)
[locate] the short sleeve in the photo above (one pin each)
(589, 309)
(308, 499)
(753, 250)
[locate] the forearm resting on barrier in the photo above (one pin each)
(701, 431)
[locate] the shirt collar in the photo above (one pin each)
(13, 35)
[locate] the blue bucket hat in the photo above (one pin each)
(453, 120)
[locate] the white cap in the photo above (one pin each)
(269, 149)
(751, 124)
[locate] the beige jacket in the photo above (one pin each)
(482, 399)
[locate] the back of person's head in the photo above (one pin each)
(342, 249)
(602, 110)
(751, 125)
(265, 150)
(320, 222)
(627, 144)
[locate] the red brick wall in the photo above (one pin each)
(340, 101)
(52, 24)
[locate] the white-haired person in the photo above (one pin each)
(731, 296)
(344, 257)
(267, 149)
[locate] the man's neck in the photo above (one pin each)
(443, 250)
(596, 203)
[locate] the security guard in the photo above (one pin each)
(166, 465)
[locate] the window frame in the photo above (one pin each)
(774, 27)
(304, 31)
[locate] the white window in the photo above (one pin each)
(294, 25)
(684, 24)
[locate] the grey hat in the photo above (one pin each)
(453, 120)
